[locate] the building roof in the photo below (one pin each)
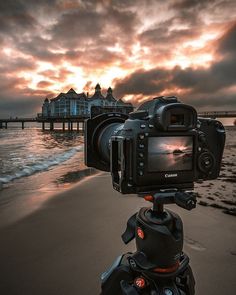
(98, 87)
(71, 91)
(110, 96)
(70, 94)
(97, 93)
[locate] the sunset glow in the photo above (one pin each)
(141, 49)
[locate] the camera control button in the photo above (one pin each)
(141, 136)
(141, 164)
(141, 146)
(141, 155)
(140, 173)
(150, 126)
(202, 137)
(143, 126)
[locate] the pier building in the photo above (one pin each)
(80, 104)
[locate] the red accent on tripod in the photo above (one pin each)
(140, 282)
(140, 233)
(148, 198)
(167, 270)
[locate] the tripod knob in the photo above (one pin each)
(186, 200)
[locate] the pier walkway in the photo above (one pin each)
(218, 114)
(48, 121)
(68, 122)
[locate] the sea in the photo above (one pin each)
(36, 165)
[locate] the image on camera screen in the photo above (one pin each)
(170, 153)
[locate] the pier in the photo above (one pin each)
(48, 123)
(218, 114)
(67, 123)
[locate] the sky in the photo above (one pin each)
(141, 48)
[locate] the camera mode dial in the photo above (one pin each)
(206, 162)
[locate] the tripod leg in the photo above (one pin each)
(127, 289)
(185, 281)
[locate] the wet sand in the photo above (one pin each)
(221, 193)
(64, 246)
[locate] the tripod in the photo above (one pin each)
(159, 266)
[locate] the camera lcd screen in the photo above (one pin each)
(170, 153)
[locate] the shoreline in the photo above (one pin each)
(220, 194)
(64, 246)
(27, 195)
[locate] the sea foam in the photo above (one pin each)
(40, 165)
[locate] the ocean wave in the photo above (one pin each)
(41, 165)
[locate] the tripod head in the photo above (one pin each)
(159, 233)
(159, 265)
(185, 200)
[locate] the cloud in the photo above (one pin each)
(44, 84)
(228, 41)
(142, 47)
(197, 83)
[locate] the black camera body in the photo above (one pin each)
(162, 146)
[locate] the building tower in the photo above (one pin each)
(46, 108)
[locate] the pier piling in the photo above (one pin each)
(23, 125)
(51, 126)
(63, 126)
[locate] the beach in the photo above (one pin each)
(60, 226)
(63, 247)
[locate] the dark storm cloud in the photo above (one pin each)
(197, 83)
(89, 27)
(215, 101)
(12, 65)
(15, 19)
(220, 75)
(23, 106)
(164, 40)
(203, 81)
(228, 41)
(143, 82)
(190, 4)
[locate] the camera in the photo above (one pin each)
(161, 146)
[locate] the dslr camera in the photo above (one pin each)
(162, 146)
